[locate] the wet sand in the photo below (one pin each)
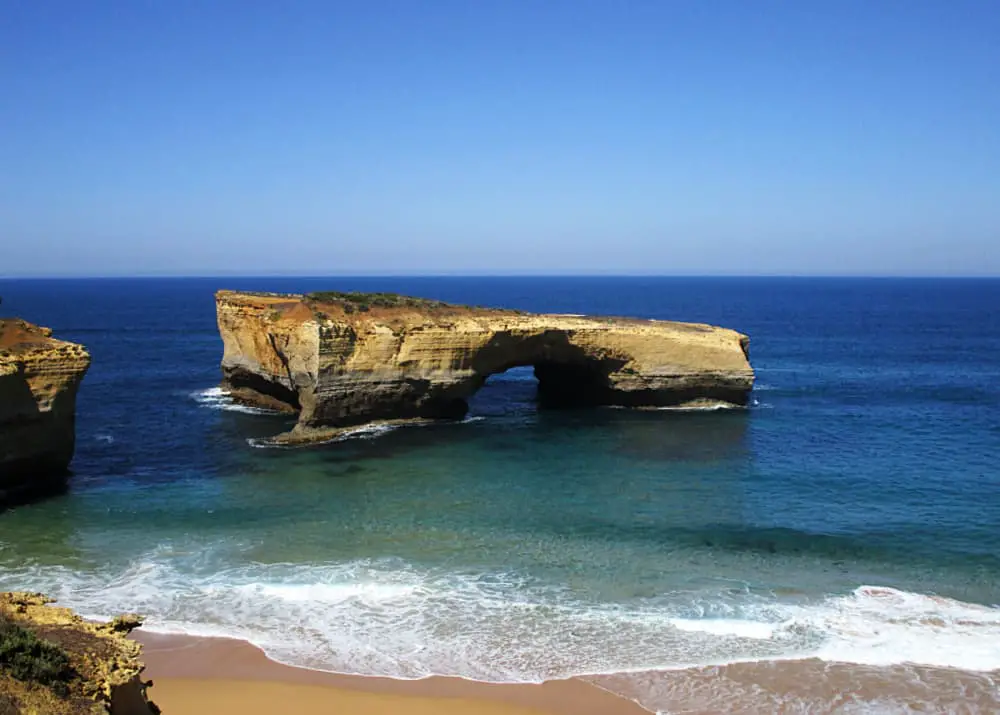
(816, 687)
(198, 676)
(218, 676)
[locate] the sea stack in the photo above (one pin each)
(39, 378)
(346, 359)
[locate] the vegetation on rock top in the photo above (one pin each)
(357, 301)
(30, 659)
(362, 302)
(15, 333)
(54, 662)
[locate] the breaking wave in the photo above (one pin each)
(719, 407)
(368, 431)
(218, 399)
(505, 627)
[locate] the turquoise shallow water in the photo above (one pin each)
(852, 514)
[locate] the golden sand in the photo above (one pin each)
(219, 697)
(217, 676)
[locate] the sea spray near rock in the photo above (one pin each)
(372, 430)
(218, 398)
(369, 431)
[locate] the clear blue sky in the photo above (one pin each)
(475, 136)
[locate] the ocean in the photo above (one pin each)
(833, 548)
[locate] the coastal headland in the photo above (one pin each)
(341, 360)
(39, 378)
(53, 662)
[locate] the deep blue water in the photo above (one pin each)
(617, 540)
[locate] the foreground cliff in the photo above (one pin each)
(54, 662)
(342, 359)
(39, 377)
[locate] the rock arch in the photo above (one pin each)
(347, 359)
(567, 374)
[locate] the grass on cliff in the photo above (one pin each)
(363, 302)
(28, 658)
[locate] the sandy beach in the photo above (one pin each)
(197, 676)
(218, 676)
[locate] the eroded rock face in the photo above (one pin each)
(39, 377)
(346, 359)
(100, 673)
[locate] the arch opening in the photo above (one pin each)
(575, 384)
(506, 392)
(541, 384)
(256, 390)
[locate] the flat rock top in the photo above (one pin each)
(407, 311)
(18, 335)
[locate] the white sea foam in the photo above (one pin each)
(266, 443)
(717, 407)
(368, 431)
(371, 431)
(701, 408)
(391, 618)
(332, 593)
(725, 627)
(883, 626)
(218, 399)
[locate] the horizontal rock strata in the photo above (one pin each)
(348, 359)
(39, 377)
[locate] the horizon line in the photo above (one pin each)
(182, 276)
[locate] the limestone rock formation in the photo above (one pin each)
(54, 662)
(39, 377)
(342, 359)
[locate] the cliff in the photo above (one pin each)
(342, 359)
(54, 662)
(39, 377)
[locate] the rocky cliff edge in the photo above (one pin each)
(54, 662)
(39, 377)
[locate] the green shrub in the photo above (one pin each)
(366, 301)
(29, 658)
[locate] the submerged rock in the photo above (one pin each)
(54, 662)
(39, 378)
(344, 359)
